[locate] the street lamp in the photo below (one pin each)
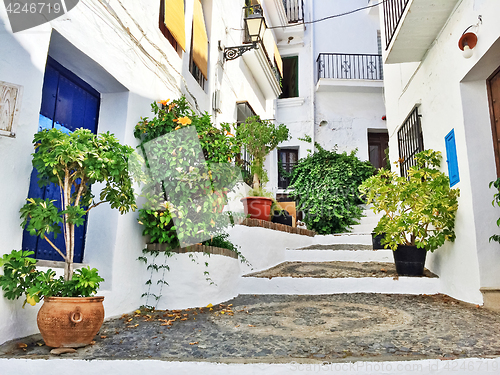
(255, 27)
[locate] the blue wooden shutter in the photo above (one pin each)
(452, 160)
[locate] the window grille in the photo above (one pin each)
(410, 141)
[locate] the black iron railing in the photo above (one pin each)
(393, 12)
(294, 10)
(349, 66)
(410, 141)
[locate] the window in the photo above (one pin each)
(287, 160)
(172, 23)
(198, 63)
(244, 111)
(68, 103)
(410, 141)
(451, 158)
(290, 83)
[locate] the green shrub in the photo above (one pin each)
(186, 177)
(325, 186)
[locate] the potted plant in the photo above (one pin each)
(73, 162)
(260, 137)
(419, 210)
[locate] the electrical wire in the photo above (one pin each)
(333, 16)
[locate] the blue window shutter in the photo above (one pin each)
(452, 160)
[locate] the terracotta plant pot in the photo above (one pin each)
(70, 322)
(258, 207)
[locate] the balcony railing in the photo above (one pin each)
(350, 66)
(294, 10)
(393, 12)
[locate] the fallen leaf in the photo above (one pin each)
(103, 337)
(184, 319)
(210, 305)
(137, 311)
(193, 343)
(250, 325)
(22, 345)
(383, 270)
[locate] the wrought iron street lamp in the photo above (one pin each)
(255, 27)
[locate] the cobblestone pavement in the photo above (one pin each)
(353, 247)
(277, 328)
(332, 270)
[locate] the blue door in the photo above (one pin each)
(68, 103)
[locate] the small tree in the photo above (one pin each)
(74, 162)
(260, 137)
(419, 210)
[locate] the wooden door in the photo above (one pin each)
(377, 144)
(494, 97)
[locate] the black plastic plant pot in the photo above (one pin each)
(282, 218)
(376, 241)
(409, 260)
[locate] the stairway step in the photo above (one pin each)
(343, 238)
(336, 277)
(324, 255)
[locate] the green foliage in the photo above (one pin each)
(76, 161)
(22, 278)
(419, 210)
(260, 137)
(185, 178)
(325, 186)
(496, 200)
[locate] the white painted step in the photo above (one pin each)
(341, 238)
(316, 286)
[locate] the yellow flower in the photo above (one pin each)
(164, 102)
(184, 120)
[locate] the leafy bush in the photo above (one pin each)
(199, 188)
(496, 200)
(22, 278)
(325, 186)
(419, 210)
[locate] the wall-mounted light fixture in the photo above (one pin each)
(468, 40)
(255, 27)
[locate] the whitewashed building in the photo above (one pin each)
(438, 99)
(119, 57)
(332, 83)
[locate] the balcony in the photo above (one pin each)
(286, 13)
(349, 72)
(411, 26)
(294, 10)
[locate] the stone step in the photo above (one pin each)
(339, 252)
(336, 277)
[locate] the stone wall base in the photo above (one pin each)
(491, 298)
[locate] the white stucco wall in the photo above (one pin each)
(451, 94)
(120, 51)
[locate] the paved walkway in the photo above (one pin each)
(331, 270)
(277, 328)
